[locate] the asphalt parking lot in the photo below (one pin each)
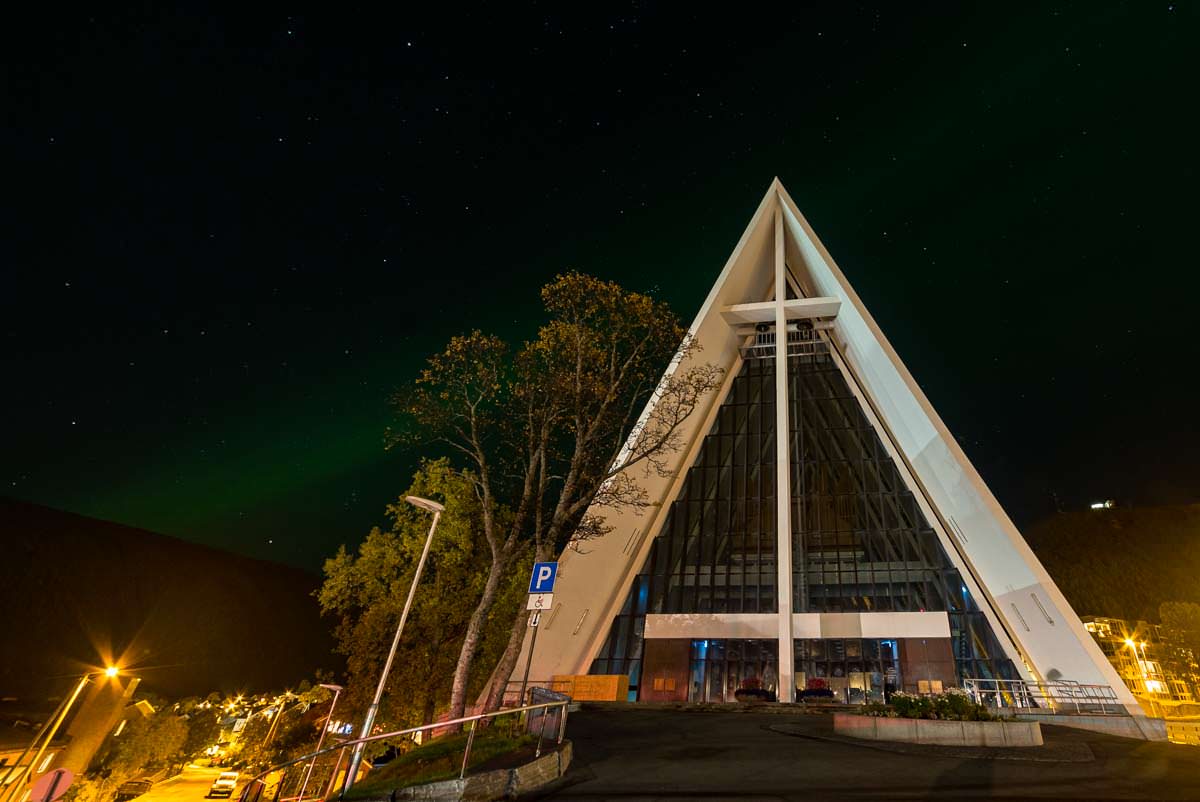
(669, 754)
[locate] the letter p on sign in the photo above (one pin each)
(542, 580)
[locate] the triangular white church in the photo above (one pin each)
(860, 554)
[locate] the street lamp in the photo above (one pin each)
(369, 721)
(12, 785)
(337, 689)
(278, 715)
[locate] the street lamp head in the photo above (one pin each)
(111, 671)
(1129, 642)
(425, 504)
(332, 687)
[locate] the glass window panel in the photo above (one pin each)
(860, 541)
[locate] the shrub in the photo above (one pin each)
(953, 705)
(879, 710)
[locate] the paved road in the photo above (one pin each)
(653, 754)
(190, 786)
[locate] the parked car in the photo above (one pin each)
(132, 790)
(224, 784)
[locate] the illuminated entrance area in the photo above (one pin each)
(720, 667)
(851, 670)
(845, 670)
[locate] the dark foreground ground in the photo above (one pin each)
(663, 754)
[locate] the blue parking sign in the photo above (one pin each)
(542, 580)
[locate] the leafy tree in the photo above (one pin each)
(1183, 618)
(148, 743)
(145, 743)
(286, 729)
(203, 730)
(250, 741)
(1181, 625)
(366, 592)
(553, 431)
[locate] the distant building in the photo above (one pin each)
(100, 714)
(1158, 672)
(101, 710)
(14, 741)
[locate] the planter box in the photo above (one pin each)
(942, 733)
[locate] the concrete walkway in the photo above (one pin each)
(637, 754)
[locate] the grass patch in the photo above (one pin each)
(439, 759)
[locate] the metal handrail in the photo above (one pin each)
(1059, 696)
(513, 686)
(257, 780)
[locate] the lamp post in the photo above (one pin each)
(13, 788)
(275, 721)
(337, 689)
(369, 721)
(1139, 657)
(1155, 704)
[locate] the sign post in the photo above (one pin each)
(541, 597)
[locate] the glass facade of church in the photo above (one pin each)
(860, 544)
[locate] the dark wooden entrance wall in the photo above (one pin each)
(926, 665)
(665, 666)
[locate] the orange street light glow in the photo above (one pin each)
(111, 671)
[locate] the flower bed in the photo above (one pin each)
(751, 691)
(953, 705)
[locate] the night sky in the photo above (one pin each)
(228, 238)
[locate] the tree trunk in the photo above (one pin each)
(508, 660)
(430, 709)
(466, 655)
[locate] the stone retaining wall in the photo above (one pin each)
(1140, 727)
(942, 733)
(493, 785)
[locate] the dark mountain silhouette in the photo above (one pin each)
(187, 618)
(1122, 562)
(190, 619)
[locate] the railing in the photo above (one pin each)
(547, 712)
(1061, 697)
(802, 342)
